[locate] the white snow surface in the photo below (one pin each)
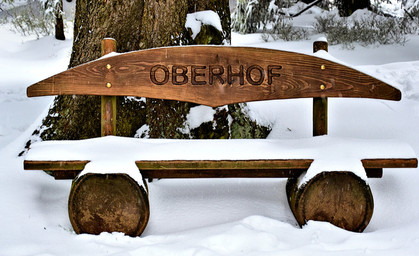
(198, 115)
(195, 20)
(214, 216)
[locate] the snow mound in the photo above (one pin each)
(195, 20)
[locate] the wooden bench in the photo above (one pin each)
(214, 76)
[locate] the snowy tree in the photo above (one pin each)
(39, 17)
(252, 15)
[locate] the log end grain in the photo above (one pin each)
(340, 198)
(108, 203)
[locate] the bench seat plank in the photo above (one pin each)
(222, 169)
(159, 158)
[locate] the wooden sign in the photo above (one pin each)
(214, 76)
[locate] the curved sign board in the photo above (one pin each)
(214, 76)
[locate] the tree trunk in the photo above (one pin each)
(347, 7)
(59, 21)
(139, 24)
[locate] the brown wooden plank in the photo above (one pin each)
(215, 76)
(223, 168)
(217, 169)
(235, 173)
(265, 164)
(224, 164)
(220, 173)
(159, 174)
(390, 163)
(54, 165)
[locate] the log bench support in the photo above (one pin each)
(108, 202)
(340, 198)
(219, 76)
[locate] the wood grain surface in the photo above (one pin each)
(217, 169)
(340, 198)
(108, 203)
(215, 76)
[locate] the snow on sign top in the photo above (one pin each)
(215, 76)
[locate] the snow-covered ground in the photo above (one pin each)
(213, 217)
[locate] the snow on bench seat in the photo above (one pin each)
(113, 154)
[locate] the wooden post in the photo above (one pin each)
(108, 103)
(320, 103)
(319, 116)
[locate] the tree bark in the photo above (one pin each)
(139, 24)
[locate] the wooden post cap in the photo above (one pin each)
(320, 44)
(108, 46)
